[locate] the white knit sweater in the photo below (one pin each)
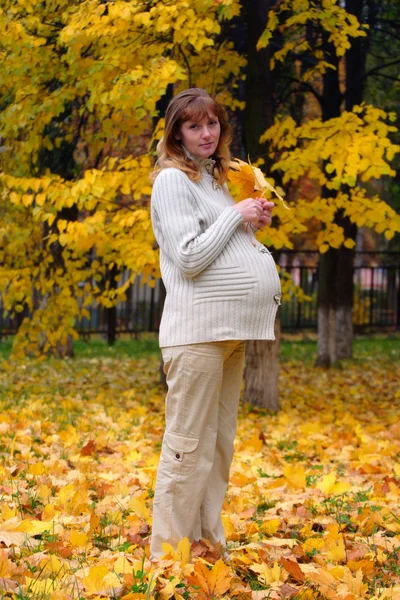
(221, 283)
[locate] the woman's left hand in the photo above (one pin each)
(266, 217)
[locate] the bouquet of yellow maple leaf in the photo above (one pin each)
(250, 180)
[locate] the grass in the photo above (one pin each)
(303, 347)
(294, 347)
(97, 347)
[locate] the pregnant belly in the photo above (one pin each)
(269, 282)
(258, 278)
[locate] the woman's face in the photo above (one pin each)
(201, 137)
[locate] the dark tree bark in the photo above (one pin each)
(355, 70)
(336, 289)
(262, 357)
(335, 302)
(259, 111)
(328, 276)
(356, 56)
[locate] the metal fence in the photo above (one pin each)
(376, 302)
(376, 299)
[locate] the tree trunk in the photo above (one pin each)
(335, 302)
(345, 293)
(262, 357)
(355, 69)
(259, 110)
(262, 372)
(335, 283)
(67, 349)
(335, 306)
(327, 278)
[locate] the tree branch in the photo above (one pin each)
(386, 76)
(306, 85)
(186, 61)
(379, 68)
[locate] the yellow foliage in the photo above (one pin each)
(295, 476)
(108, 65)
(270, 527)
(94, 580)
(314, 150)
(6, 566)
(268, 575)
(212, 583)
(284, 520)
(334, 544)
(182, 553)
(328, 485)
(329, 18)
(78, 539)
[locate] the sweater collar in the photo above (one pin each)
(204, 163)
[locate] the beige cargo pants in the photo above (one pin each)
(204, 382)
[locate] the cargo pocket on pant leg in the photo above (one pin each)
(179, 453)
(166, 360)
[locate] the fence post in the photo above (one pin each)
(111, 312)
(371, 296)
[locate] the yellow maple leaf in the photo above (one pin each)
(139, 508)
(313, 544)
(243, 177)
(367, 566)
(48, 511)
(329, 486)
(44, 492)
(42, 587)
(250, 180)
(94, 580)
(213, 582)
(36, 468)
(334, 544)
(111, 581)
(123, 566)
(326, 583)
(295, 475)
(7, 512)
(229, 528)
(268, 575)
(78, 539)
(169, 590)
(182, 553)
(34, 527)
(270, 527)
(353, 585)
(255, 442)
(6, 565)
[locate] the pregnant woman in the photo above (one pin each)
(222, 289)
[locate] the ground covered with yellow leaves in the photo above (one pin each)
(312, 509)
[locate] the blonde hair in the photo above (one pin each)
(192, 104)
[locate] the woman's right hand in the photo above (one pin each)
(251, 209)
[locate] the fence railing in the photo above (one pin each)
(376, 299)
(376, 302)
